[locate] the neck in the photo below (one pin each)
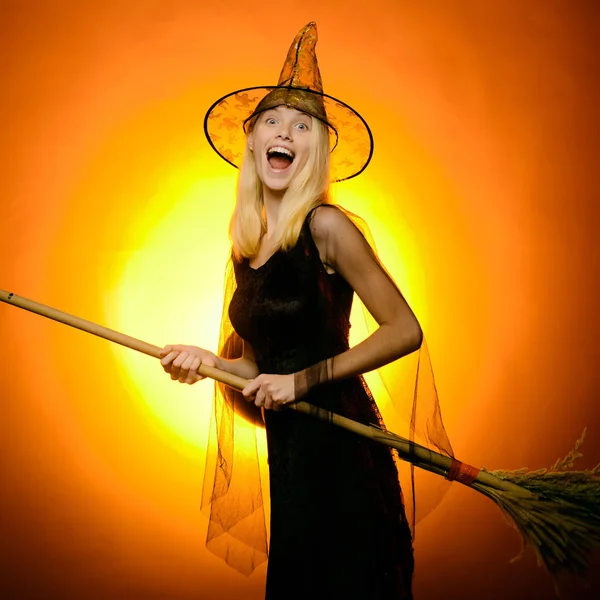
(272, 202)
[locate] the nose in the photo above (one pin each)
(284, 131)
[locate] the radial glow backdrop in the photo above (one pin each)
(115, 209)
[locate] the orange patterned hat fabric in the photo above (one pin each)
(299, 87)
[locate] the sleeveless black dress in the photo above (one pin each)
(338, 527)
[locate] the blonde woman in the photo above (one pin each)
(338, 525)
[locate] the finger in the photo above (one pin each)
(166, 350)
(167, 360)
(193, 371)
(251, 388)
(188, 361)
(208, 361)
(180, 359)
(268, 402)
(260, 397)
(176, 365)
(175, 348)
(185, 368)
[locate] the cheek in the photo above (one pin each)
(257, 157)
(257, 161)
(304, 155)
(255, 139)
(301, 163)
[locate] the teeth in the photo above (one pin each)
(280, 150)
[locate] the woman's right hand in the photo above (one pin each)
(182, 362)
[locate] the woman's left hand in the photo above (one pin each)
(271, 391)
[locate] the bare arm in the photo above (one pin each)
(343, 247)
(245, 366)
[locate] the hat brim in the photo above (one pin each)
(352, 149)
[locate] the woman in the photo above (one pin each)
(338, 526)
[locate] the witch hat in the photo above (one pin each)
(299, 87)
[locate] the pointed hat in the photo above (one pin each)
(299, 87)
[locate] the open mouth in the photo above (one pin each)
(280, 158)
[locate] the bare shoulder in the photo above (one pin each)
(330, 221)
(335, 235)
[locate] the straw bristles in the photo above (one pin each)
(561, 518)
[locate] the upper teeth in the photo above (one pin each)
(280, 150)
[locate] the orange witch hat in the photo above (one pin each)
(299, 86)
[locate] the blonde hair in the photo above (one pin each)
(308, 189)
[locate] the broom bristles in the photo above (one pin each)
(561, 519)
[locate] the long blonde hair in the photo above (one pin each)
(309, 188)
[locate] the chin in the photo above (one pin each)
(279, 182)
(278, 185)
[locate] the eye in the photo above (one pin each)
(302, 126)
(270, 121)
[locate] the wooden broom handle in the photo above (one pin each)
(113, 336)
(419, 455)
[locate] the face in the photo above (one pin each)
(280, 142)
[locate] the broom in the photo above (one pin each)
(556, 510)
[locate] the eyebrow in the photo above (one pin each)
(274, 111)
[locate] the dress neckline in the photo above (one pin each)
(306, 221)
(263, 264)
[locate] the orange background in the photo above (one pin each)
(482, 196)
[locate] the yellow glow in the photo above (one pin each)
(395, 241)
(169, 287)
(170, 290)
(397, 249)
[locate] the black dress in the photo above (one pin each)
(338, 527)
